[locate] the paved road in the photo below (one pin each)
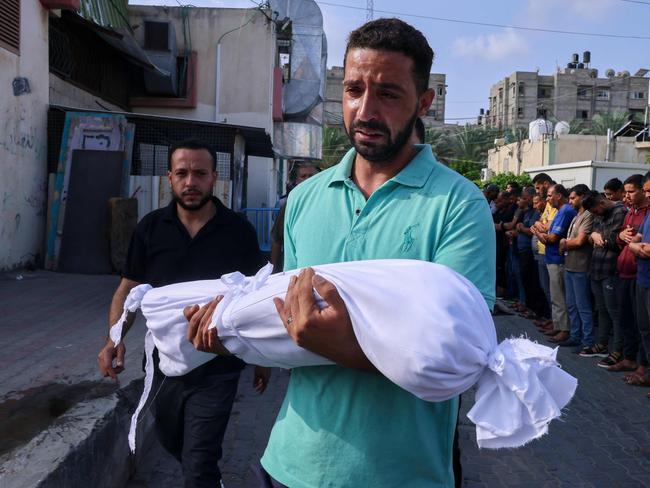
(602, 441)
(52, 326)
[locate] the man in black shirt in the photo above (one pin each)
(196, 237)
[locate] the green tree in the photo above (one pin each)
(440, 144)
(610, 120)
(502, 180)
(335, 145)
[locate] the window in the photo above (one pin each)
(584, 92)
(638, 95)
(431, 113)
(514, 89)
(582, 114)
(10, 25)
(602, 94)
(544, 92)
(441, 91)
(520, 112)
(522, 89)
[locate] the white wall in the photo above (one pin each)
(23, 141)
(594, 174)
(247, 60)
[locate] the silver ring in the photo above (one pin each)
(289, 319)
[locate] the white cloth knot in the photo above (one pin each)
(519, 394)
(239, 286)
(131, 304)
(496, 361)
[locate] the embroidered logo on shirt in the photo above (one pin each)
(408, 241)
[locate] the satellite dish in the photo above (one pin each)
(610, 73)
(562, 128)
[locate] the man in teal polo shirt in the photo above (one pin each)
(343, 426)
(346, 425)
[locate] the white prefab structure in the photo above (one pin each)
(594, 174)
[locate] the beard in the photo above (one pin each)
(380, 153)
(192, 207)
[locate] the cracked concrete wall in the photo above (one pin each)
(23, 141)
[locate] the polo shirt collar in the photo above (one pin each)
(415, 174)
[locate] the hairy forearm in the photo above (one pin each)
(117, 306)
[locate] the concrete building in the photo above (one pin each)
(519, 157)
(247, 74)
(574, 92)
(24, 77)
(334, 91)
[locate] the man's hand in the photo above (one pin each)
(261, 378)
(597, 239)
(562, 246)
(202, 338)
(106, 356)
(328, 331)
(627, 234)
(640, 250)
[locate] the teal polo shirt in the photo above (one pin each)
(340, 427)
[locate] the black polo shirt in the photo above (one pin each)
(162, 253)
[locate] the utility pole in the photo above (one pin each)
(370, 10)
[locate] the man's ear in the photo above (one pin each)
(425, 101)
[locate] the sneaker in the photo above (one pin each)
(610, 360)
(597, 350)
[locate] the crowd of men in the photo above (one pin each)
(578, 262)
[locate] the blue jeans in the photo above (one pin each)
(578, 303)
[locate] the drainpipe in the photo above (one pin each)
(217, 81)
(608, 147)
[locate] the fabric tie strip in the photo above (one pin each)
(422, 325)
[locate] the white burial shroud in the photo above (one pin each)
(422, 325)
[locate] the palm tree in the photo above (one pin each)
(335, 145)
(610, 120)
(440, 144)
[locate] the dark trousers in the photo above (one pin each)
(632, 349)
(535, 298)
(606, 303)
(191, 415)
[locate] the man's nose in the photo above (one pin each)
(367, 106)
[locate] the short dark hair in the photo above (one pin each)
(614, 185)
(528, 191)
(636, 180)
(296, 165)
(580, 189)
(646, 177)
(592, 199)
(419, 130)
(191, 144)
(561, 190)
(397, 36)
(542, 178)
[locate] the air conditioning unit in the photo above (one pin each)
(160, 46)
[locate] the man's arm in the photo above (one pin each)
(109, 352)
